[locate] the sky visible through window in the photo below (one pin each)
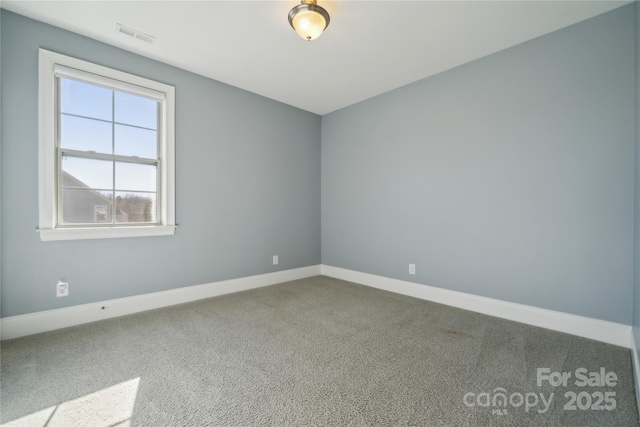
(100, 120)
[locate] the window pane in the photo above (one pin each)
(85, 99)
(87, 173)
(82, 134)
(136, 110)
(86, 206)
(133, 141)
(135, 177)
(135, 207)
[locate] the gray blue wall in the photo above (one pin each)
(636, 252)
(636, 246)
(510, 177)
(247, 172)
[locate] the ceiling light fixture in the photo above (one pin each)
(308, 19)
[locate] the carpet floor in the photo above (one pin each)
(313, 352)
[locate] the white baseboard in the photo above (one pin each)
(595, 329)
(43, 321)
(636, 367)
(600, 330)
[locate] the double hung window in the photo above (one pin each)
(106, 152)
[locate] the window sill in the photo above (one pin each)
(105, 233)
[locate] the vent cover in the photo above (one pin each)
(134, 33)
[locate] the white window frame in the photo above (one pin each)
(53, 64)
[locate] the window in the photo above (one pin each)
(106, 152)
(100, 213)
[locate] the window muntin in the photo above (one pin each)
(106, 152)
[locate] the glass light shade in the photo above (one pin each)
(308, 19)
(309, 24)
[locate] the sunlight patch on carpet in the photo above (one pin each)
(111, 406)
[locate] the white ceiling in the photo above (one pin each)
(369, 48)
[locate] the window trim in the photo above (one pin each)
(49, 64)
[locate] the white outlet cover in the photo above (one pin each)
(62, 289)
(275, 260)
(412, 269)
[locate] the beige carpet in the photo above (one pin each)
(312, 352)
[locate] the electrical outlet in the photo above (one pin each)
(62, 289)
(275, 260)
(412, 269)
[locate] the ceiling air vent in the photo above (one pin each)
(134, 33)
